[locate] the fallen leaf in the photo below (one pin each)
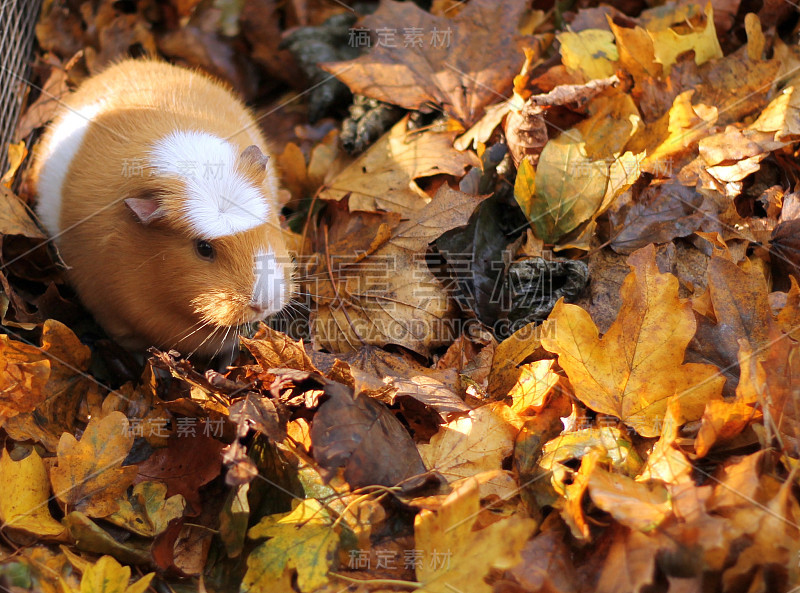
(24, 496)
(591, 52)
(190, 460)
(634, 504)
(567, 189)
(536, 380)
(88, 474)
(108, 576)
(364, 437)
(668, 43)
(465, 556)
(637, 365)
(303, 541)
(387, 295)
(471, 444)
(147, 511)
(382, 178)
(462, 64)
(273, 349)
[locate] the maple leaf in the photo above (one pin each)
(88, 474)
(470, 554)
(24, 496)
(383, 177)
(302, 541)
(471, 444)
(463, 74)
(633, 370)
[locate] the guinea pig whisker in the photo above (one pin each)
(188, 333)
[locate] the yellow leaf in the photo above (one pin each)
(458, 558)
(535, 382)
(508, 354)
(634, 369)
(612, 121)
(383, 177)
(525, 186)
(673, 134)
(109, 576)
(25, 494)
(24, 372)
(634, 504)
(16, 154)
(668, 43)
(592, 52)
(15, 219)
(666, 462)
(471, 444)
(147, 511)
(88, 475)
(781, 116)
(303, 540)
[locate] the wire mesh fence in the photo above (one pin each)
(17, 24)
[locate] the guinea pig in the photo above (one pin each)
(156, 186)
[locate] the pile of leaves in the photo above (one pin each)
(548, 329)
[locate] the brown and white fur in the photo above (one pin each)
(144, 163)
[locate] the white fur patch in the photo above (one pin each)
(220, 201)
(65, 141)
(269, 288)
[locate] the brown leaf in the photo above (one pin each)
(273, 349)
(388, 296)
(15, 218)
(190, 460)
(382, 178)
(362, 436)
(461, 64)
(88, 475)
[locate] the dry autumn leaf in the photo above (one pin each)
(462, 64)
(108, 576)
(24, 496)
(88, 474)
(383, 177)
(471, 444)
(303, 541)
(633, 370)
(388, 295)
(470, 554)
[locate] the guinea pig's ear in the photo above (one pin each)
(146, 211)
(252, 155)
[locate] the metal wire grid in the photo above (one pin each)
(17, 23)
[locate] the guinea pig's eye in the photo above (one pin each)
(204, 249)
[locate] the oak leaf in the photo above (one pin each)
(88, 475)
(109, 576)
(633, 370)
(303, 541)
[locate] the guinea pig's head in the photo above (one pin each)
(213, 209)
